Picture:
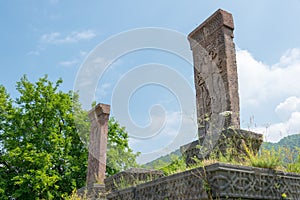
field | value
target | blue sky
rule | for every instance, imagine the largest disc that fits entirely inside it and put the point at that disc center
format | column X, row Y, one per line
column 55, row 37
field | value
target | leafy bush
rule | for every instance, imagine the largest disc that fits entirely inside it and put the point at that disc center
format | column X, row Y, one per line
column 295, row 166
column 177, row 165
column 271, row 159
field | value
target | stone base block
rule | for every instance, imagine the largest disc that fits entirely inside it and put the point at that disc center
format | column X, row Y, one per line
column 230, row 141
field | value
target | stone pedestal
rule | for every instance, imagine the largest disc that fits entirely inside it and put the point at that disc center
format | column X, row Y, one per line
column 230, row 141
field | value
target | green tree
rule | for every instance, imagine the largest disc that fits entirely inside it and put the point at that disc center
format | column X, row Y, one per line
column 42, row 154
column 119, row 155
column 41, row 151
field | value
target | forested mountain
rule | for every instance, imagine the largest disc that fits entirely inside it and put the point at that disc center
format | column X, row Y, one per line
column 163, row 160
column 292, row 142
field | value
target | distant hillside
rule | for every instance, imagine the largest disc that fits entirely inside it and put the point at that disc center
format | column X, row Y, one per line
column 161, row 161
column 292, row 142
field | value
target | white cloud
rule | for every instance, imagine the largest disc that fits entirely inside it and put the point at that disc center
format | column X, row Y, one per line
column 50, row 38
column 260, row 83
column 275, row 132
column 68, row 63
column 58, row 38
column 291, row 57
column 285, row 109
column 75, row 61
column 263, row 85
column 289, row 112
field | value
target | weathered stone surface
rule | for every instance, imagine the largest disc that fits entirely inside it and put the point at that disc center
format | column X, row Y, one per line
column 242, row 182
column 98, row 144
column 132, row 176
column 216, row 83
column 93, row 192
column 217, row 181
column 185, row 185
column 215, row 74
column 230, row 141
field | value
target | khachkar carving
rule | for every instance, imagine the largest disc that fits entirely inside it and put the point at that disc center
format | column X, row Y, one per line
column 216, row 83
column 215, row 73
column 99, row 116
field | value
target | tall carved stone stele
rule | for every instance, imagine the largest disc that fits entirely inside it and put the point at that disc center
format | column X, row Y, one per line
column 99, row 116
column 216, row 83
column 215, row 72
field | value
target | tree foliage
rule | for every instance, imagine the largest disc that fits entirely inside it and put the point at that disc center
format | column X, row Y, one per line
column 42, row 154
column 119, row 155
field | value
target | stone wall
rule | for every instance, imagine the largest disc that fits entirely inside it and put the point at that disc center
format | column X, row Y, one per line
column 131, row 176
column 252, row 183
column 217, row 181
column 185, row 185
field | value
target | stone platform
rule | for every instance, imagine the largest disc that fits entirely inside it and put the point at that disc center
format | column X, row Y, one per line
column 217, row 181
